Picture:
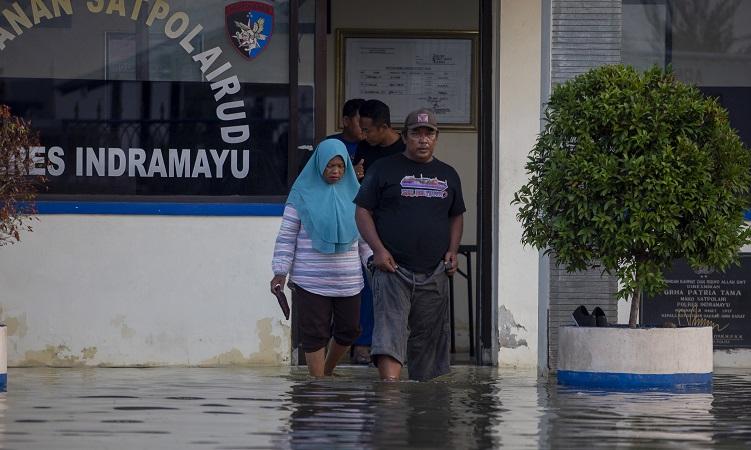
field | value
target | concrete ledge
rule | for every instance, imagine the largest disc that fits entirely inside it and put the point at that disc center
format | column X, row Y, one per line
column 622, row 357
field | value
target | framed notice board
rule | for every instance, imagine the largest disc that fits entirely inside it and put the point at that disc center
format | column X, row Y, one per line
column 409, row 70
column 704, row 297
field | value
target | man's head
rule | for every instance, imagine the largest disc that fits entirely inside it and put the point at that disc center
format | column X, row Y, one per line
column 420, row 134
column 351, row 119
column 375, row 122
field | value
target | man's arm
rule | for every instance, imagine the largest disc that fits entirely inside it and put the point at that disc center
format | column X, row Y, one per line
column 381, row 257
column 456, row 228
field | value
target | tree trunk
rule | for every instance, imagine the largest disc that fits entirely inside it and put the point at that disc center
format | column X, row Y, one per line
column 635, row 300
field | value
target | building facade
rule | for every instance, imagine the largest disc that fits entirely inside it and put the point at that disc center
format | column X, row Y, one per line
column 171, row 131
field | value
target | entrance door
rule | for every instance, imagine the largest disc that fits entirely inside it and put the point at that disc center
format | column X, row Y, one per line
column 469, row 150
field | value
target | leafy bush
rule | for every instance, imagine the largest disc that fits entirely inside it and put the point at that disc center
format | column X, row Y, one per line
column 17, row 187
column 634, row 171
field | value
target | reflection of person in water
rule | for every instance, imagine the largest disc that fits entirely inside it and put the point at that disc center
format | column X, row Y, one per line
column 330, row 415
column 361, row 413
column 435, row 415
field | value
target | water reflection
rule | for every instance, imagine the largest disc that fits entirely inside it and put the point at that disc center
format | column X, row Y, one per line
column 3, row 430
column 282, row 408
column 352, row 412
column 730, row 408
column 643, row 419
column 451, row 413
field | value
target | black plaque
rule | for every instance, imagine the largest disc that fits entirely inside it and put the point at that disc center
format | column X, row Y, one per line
column 704, row 297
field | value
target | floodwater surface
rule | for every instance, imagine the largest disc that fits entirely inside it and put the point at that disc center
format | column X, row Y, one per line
column 281, row 408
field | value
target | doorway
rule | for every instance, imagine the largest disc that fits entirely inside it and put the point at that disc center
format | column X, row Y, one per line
column 469, row 150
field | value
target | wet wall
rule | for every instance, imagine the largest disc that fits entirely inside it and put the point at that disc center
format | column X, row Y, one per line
column 142, row 290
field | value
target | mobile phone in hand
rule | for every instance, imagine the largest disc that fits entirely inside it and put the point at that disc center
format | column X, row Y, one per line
column 282, row 299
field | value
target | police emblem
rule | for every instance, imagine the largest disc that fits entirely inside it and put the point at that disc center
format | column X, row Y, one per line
column 249, row 26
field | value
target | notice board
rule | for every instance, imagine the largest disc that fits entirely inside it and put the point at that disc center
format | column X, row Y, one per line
column 408, row 70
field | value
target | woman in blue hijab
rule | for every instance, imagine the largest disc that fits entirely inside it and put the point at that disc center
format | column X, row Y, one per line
column 319, row 247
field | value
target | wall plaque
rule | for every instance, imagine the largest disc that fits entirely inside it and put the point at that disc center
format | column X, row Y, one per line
column 704, row 297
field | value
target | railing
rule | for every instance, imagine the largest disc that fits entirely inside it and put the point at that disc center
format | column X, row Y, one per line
column 467, row 251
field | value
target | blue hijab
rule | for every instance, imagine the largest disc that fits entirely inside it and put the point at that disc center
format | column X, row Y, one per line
column 326, row 210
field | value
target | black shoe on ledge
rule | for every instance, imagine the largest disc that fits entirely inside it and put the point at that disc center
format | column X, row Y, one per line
column 582, row 318
column 599, row 315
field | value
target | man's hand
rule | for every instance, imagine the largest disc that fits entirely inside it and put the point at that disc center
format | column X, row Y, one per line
column 452, row 264
column 360, row 169
column 384, row 261
column 277, row 283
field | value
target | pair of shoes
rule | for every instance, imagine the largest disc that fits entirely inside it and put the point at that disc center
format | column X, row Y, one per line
column 599, row 315
column 583, row 318
column 360, row 355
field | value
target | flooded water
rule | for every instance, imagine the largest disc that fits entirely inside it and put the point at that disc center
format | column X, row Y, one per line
column 282, row 408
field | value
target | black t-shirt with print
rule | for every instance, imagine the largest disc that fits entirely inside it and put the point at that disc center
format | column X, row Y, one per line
column 372, row 153
column 412, row 203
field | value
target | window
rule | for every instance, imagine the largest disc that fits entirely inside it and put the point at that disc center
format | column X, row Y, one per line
column 707, row 43
column 172, row 100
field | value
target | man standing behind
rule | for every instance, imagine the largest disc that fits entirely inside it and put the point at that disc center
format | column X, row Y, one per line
column 380, row 139
column 410, row 211
column 351, row 134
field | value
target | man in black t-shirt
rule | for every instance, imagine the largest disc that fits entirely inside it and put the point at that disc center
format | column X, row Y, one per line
column 409, row 209
column 380, row 140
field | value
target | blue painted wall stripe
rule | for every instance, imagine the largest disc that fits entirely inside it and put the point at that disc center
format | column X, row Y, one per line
column 163, row 208
column 631, row 380
column 170, row 208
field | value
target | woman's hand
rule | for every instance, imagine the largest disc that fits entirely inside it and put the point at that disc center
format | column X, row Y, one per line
column 277, row 283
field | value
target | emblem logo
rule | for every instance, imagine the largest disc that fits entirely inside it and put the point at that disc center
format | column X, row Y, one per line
column 249, row 26
column 422, row 118
column 421, row 186
column 704, row 271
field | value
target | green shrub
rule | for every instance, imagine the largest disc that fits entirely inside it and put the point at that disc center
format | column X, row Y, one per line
column 635, row 170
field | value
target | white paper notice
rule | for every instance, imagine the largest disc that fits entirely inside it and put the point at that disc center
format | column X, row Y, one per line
column 412, row 73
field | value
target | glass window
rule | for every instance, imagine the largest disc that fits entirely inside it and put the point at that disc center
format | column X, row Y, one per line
column 644, row 34
column 305, row 74
column 184, row 99
column 706, row 41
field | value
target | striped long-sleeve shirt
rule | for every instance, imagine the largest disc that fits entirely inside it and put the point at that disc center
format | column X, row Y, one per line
column 331, row 275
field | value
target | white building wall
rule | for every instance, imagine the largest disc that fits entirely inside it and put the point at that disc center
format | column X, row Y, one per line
column 177, row 290
column 142, row 290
